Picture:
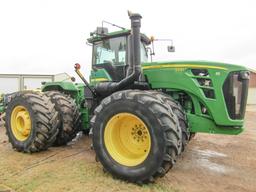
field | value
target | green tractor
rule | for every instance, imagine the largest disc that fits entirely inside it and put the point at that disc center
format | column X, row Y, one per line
column 140, row 114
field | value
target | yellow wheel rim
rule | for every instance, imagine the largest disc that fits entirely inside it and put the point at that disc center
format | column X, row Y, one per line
column 20, row 123
column 127, row 139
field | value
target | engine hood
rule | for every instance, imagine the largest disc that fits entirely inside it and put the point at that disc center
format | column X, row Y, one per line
column 193, row 64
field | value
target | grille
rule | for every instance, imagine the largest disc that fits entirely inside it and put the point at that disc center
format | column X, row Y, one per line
column 235, row 90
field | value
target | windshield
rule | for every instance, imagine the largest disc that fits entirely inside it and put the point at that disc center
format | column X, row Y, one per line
column 112, row 51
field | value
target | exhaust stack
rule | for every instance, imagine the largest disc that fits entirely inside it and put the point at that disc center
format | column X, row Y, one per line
column 134, row 69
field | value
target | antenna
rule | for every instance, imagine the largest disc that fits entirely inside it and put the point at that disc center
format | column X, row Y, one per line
column 114, row 25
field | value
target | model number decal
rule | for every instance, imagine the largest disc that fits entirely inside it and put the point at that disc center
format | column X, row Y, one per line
column 180, row 69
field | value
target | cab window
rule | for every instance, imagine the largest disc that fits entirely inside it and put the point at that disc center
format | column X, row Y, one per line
column 110, row 51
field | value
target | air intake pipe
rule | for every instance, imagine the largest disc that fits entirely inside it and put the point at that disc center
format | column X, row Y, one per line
column 134, row 69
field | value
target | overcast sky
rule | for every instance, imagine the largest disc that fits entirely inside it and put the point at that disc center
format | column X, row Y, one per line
column 49, row 36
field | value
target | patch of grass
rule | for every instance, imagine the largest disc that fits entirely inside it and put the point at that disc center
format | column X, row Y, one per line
column 58, row 170
column 30, row 183
column 159, row 188
column 75, row 176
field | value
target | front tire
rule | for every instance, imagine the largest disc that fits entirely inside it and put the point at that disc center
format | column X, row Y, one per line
column 134, row 136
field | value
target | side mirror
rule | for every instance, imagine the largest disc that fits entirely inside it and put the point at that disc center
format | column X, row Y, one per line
column 171, row 48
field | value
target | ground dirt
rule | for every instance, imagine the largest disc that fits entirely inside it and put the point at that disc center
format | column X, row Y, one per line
column 210, row 163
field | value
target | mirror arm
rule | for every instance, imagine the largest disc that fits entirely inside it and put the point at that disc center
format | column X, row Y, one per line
column 150, row 53
column 153, row 49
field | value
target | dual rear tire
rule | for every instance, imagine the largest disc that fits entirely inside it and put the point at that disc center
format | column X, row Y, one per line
column 35, row 121
column 68, row 114
column 31, row 122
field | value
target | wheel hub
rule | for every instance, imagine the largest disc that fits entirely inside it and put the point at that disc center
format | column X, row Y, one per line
column 20, row 123
column 127, row 139
column 139, row 133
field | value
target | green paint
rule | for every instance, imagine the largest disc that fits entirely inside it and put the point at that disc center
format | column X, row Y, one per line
column 201, row 63
column 177, row 77
column 62, row 85
column 205, row 125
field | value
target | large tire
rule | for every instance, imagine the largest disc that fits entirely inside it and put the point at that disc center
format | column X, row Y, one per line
column 178, row 110
column 31, row 122
column 154, row 120
column 68, row 115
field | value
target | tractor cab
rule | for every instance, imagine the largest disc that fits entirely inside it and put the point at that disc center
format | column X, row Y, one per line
column 111, row 56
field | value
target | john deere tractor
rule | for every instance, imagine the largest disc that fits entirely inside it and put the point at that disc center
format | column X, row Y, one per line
column 140, row 114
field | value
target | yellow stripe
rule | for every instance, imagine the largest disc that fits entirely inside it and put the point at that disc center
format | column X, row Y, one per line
column 99, row 79
column 183, row 66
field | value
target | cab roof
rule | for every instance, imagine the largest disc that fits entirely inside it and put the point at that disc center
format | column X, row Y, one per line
column 95, row 37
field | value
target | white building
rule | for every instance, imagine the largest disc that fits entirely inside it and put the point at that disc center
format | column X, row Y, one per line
column 252, row 89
